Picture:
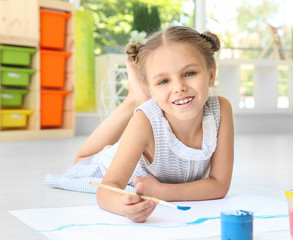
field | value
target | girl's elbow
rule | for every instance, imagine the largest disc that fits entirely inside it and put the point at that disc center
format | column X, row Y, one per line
column 78, row 159
column 99, row 200
column 221, row 188
column 223, row 194
column 220, row 195
column 224, row 191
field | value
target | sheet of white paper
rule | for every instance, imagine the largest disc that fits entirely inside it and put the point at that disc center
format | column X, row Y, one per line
column 203, row 219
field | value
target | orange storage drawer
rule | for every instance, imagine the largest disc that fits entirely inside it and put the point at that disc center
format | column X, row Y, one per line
column 53, row 68
column 53, row 28
column 52, row 107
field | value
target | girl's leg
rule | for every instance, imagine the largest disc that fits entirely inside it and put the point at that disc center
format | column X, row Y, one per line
column 111, row 129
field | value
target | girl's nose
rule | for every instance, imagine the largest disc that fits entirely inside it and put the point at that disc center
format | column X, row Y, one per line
column 179, row 86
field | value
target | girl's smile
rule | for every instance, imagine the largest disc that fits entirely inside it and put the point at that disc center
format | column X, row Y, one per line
column 183, row 102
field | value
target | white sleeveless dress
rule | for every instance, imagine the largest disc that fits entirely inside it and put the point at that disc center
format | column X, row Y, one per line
column 173, row 161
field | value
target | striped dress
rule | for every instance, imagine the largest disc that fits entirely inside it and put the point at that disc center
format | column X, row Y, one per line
column 173, row 161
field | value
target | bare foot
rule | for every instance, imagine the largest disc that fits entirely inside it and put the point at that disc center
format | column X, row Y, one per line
column 136, row 90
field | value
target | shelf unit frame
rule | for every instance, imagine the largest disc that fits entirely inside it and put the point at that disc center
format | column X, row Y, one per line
column 20, row 26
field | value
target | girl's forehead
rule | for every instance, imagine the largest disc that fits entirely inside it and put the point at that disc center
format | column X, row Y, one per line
column 175, row 51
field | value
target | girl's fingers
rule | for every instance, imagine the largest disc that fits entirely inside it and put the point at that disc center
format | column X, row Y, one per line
column 139, row 188
column 137, row 179
column 143, row 216
column 141, row 211
column 131, row 199
column 137, row 209
column 133, row 207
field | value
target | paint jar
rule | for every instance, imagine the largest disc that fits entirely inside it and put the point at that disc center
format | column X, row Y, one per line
column 289, row 195
column 237, row 225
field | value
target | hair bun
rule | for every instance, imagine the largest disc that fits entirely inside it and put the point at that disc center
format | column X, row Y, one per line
column 132, row 50
column 213, row 39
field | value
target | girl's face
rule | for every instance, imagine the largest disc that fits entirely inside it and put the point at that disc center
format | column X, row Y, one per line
column 179, row 80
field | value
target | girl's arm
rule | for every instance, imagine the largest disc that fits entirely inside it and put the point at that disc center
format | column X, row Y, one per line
column 134, row 141
column 111, row 129
column 108, row 132
column 218, row 183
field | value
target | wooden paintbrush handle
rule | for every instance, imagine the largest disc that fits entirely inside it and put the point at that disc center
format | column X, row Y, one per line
column 157, row 201
column 118, row 190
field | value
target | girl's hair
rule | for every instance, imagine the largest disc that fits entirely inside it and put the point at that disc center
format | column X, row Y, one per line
column 206, row 43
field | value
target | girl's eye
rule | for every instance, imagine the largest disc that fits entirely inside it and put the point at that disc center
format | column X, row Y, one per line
column 189, row 74
column 163, row 82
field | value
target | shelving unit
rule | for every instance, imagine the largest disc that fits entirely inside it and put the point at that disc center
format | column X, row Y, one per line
column 20, row 26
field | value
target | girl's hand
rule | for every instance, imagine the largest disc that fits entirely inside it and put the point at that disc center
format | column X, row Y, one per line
column 136, row 89
column 150, row 183
column 137, row 209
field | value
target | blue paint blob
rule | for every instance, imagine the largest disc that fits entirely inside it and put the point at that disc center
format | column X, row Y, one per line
column 237, row 225
column 184, row 208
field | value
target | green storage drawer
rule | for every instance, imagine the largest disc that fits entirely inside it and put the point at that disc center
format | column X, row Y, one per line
column 11, row 55
column 16, row 76
column 12, row 97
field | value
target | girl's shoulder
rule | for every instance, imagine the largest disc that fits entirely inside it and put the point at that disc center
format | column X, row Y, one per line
column 226, row 117
column 151, row 109
column 217, row 103
column 139, row 130
column 219, row 107
column 225, row 105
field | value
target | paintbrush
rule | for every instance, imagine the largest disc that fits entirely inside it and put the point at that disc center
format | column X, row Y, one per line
column 158, row 201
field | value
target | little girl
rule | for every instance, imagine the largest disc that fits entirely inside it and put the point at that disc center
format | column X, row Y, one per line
column 177, row 146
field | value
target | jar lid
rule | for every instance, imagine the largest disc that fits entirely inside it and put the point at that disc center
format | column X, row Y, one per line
column 237, row 215
column 289, row 193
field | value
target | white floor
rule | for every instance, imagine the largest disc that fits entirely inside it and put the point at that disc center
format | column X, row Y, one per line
column 263, row 165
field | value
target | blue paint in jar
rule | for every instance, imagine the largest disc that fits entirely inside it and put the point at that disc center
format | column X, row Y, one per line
column 237, row 225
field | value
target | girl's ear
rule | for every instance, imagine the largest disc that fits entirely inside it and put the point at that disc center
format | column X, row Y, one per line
column 212, row 76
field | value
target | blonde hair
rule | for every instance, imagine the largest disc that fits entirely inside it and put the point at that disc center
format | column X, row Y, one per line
column 206, row 43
